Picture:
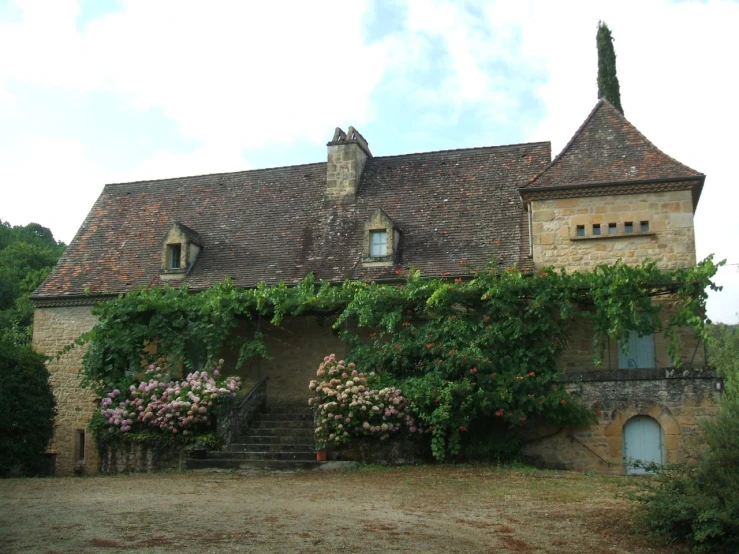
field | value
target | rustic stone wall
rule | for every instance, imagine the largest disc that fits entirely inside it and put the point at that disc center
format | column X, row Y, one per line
column 579, row 354
column 54, row 328
column 678, row 400
column 296, row 347
column 345, row 165
column 669, row 241
column 137, row 458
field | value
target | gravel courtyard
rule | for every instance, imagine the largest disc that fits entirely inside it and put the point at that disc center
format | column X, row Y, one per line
column 465, row 509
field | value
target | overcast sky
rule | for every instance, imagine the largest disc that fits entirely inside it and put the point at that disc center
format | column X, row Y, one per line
column 102, row 91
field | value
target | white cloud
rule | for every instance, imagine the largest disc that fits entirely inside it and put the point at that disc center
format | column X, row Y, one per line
column 229, row 73
column 51, row 182
column 238, row 75
column 165, row 164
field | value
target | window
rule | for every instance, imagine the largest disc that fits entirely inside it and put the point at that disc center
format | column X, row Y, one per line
column 174, row 254
column 80, row 444
column 581, row 230
column 644, row 226
column 611, row 228
column 596, row 229
column 629, row 227
column 378, row 243
column 640, row 352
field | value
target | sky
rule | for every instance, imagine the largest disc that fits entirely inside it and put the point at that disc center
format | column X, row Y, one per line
column 106, row 91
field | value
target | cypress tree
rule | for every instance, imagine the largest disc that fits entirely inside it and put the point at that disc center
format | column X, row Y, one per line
column 607, row 80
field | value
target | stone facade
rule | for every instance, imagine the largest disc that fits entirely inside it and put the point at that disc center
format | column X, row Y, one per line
column 295, row 347
column 53, row 329
column 677, row 400
column 669, row 239
column 610, row 195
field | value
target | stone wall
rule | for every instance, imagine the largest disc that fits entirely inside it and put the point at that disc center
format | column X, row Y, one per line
column 296, row 347
column 678, row 400
column 137, row 458
column 669, row 241
column 579, row 354
column 54, row 328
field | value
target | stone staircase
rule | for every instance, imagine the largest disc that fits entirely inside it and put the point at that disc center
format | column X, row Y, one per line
column 281, row 437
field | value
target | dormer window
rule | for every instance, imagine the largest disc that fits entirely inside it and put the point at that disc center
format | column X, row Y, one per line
column 175, row 255
column 378, row 243
column 180, row 250
column 381, row 241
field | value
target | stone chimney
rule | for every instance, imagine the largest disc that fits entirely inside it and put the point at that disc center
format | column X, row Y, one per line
column 347, row 154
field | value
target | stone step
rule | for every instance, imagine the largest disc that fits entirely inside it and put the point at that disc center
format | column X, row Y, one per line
column 302, row 455
column 285, row 465
column 282, row 424
column 285, row 416
column 276, row 432
column 269, row 446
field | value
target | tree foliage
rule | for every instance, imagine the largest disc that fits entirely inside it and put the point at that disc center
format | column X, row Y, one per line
column 723, row 351
column 608, row 86
column 27, row 407
column 27, row 256
column 461, row 351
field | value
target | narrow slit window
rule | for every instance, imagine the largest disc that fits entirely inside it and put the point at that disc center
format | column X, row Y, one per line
column 596, row 229
column 378, row 243
column 611, row 228
column 629, row 227
column 580, row 230
column 644, row 226
column 80, row 444
column 175, row 251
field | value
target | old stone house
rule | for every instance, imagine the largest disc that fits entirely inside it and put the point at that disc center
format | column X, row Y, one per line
column 610, row 194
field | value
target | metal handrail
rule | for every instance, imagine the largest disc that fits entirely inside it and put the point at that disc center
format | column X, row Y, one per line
column 259, row 384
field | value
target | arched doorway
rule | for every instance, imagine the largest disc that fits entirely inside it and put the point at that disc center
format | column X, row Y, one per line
column 642, row 442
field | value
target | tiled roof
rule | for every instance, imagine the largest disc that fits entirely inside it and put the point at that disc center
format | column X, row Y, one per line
column 276, row 225
column 609, row 149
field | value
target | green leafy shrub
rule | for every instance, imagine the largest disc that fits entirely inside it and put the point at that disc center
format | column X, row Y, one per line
column 27, row 408
column 699, row 504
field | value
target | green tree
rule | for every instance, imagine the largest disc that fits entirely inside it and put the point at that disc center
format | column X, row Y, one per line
column 27, row 408
column 723, row 351
column 27, row 256
column 607, row 79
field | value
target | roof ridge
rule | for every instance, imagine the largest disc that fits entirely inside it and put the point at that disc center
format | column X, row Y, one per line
column 273, row 168
column 200, row 176
column 493, row 147
column 569, row 144
column 650, row 143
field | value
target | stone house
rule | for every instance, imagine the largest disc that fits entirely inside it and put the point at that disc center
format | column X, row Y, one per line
column 611, row 194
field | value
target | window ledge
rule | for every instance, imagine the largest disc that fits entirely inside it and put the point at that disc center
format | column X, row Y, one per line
column 378, row 261
column 619, row 236
column 172, row 274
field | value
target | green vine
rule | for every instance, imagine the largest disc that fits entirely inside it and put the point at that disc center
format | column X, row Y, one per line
column 472, row 356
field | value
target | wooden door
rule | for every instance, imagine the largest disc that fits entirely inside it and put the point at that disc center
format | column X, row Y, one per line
column 642, row 442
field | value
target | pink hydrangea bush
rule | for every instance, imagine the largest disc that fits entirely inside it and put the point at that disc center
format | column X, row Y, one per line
column 345, row 406
column 173, row 405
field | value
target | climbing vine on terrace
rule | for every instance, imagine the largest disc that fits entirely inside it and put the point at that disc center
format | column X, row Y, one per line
column 479, row 358
column 464, row 352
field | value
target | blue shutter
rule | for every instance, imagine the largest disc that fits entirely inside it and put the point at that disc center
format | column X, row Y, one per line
column 640, row 352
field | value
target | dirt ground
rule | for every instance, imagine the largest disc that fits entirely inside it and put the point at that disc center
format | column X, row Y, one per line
column 465, row 509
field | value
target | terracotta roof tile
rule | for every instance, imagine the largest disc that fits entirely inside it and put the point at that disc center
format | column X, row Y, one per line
column 609, row 149
column 276, row 224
